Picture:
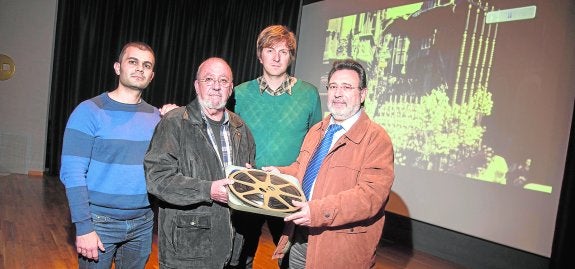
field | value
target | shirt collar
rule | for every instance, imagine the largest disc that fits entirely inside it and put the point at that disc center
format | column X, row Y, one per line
column 226, row 117
column 347, row 124
column 285, row 87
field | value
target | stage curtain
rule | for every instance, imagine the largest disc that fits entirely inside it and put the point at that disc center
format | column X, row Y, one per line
column 90, row 34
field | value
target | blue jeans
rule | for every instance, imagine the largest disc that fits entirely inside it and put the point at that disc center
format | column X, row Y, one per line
column 127, row 242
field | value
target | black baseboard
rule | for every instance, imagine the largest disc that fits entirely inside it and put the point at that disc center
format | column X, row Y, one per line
column 468, row 251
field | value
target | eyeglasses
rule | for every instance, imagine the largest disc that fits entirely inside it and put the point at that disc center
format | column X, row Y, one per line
column 344, row 87
column 224, row 82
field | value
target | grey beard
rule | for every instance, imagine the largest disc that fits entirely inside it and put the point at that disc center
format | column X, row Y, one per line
column 209, row 105
column 345, row 114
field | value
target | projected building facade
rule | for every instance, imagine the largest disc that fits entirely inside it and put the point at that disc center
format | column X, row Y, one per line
column 428, row 80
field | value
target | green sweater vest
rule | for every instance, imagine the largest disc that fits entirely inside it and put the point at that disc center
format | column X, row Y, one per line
column 278, row 123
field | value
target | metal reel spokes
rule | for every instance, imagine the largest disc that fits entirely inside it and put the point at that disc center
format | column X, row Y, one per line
column 265, row 190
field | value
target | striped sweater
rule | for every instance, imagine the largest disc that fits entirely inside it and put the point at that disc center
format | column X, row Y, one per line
column 102, row 160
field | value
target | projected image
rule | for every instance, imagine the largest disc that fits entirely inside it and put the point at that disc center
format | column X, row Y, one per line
column 429, row 66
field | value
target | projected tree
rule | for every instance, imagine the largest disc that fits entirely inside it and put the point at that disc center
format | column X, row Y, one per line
column 430, row 94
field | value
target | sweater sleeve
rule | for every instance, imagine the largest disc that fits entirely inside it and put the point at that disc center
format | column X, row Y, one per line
column 76, row 154
column 316, row 115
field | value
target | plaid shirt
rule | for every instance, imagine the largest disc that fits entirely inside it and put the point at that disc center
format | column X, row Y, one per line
column 285, row 87
column 224, row 142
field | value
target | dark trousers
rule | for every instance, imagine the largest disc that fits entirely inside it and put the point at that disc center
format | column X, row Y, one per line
column 250, row 226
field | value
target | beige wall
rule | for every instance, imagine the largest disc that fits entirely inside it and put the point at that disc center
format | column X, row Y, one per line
column 27, row 36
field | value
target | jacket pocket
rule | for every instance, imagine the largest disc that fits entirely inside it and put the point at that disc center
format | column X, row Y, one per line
column 192, row 235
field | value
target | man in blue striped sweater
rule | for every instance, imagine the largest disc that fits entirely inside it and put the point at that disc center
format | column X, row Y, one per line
column 105, row 141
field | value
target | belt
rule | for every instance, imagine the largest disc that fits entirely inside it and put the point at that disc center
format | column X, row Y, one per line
column 300, row 234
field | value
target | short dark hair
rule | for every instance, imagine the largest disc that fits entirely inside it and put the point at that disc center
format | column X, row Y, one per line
column 350, row 64
column 140, row 45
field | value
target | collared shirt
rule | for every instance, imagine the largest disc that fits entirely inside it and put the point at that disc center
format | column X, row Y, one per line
column 346, row 124
column 224, row 143
column 285, row 87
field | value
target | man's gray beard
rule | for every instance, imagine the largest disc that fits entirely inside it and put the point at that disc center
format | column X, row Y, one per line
column 345, row 114
column 209, row 105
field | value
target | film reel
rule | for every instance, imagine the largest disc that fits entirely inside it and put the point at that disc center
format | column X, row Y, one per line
column 265, row 192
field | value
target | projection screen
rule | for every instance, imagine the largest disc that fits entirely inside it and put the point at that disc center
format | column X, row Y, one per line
column 477, row 97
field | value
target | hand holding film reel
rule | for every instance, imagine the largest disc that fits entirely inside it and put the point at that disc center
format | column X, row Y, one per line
column 263, row 192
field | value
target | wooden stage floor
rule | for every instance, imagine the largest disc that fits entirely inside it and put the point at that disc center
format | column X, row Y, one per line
column 35, row 232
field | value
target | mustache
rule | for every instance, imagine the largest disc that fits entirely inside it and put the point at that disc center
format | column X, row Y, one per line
column 211, row 105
